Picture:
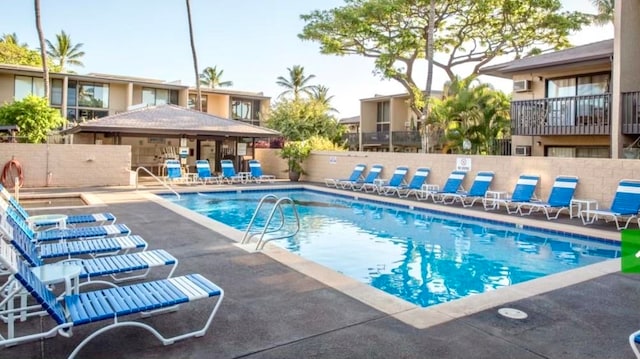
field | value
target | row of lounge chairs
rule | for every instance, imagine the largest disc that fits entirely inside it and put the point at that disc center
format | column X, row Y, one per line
column 204, row 175
column 624, row 208
column 36, row 256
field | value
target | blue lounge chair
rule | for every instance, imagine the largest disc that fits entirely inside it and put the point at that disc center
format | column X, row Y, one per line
column 139, row 263
column 174, row 172
column 524, row 191
column 370, row 179
column 110, row 304
column 559, row 199
column 356, row 175
column 12, row 230
column 452, row 185
column 58, row 233
column 256, row 172
column 415, row 185
column 478, row 190
column 204, row 172
column 229, row 172
column 396, row 181
column 625, row 204
column 42, row 222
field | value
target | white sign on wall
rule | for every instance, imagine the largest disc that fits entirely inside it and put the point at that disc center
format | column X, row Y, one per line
column 242, row 149
column 463, row 164
column 333, row 160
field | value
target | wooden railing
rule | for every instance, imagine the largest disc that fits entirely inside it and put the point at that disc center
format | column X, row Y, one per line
column 630, row 113
column 574, row 115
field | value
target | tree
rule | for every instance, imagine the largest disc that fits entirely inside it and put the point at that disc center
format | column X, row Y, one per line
column 33, row 116
column 43, row 52
column 195, row 59
column 320, row 93
column 302, row 119
column 297, row 82
column 64, row 52
column 467, row 33
column 425, row 130
column 211, row 78
column 11, row 53
column 605, row 12
column 12, row 39
column 474, row 112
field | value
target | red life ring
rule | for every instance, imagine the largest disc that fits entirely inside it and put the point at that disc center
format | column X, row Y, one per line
column 11, row 170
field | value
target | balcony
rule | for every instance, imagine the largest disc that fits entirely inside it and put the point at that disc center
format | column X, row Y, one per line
column 398, row 138
column 630, row 113
column 574, row 115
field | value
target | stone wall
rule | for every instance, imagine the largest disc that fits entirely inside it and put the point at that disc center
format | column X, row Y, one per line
column 598, row 176
column 70, row 165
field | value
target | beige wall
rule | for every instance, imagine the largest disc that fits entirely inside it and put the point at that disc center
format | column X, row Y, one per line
column 598, row 177
column 368, row 116
column 6, row 88
column 399, row 112
column 70, row 165
column 118, row 98
column 218, row 105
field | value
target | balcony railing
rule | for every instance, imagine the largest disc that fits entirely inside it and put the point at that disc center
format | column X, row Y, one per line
column 406, row 138
column 399, row 138
column 630, row 113
column 575, row 115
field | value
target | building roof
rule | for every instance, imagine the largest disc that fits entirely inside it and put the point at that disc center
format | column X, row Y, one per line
column 247, row 94
column 350, row 120
column 37, row 71
column 171, row 120
column 597, row 52
column 378, row 97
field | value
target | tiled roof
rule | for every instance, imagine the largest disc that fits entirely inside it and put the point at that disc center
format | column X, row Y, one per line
column 171, row 120
column 597, row 51
column 350, row 120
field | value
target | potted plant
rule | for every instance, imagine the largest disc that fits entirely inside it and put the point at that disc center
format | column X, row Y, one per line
column 295, row 152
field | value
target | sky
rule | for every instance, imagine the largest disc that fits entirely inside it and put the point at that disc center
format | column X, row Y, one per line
column 253, row 41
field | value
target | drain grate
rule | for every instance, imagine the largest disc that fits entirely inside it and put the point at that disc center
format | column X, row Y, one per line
column 512, row 313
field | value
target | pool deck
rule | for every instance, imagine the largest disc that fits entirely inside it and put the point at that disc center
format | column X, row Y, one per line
column 301, row 310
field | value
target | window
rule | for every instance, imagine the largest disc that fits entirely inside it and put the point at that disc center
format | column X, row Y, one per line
column 93, row 95
column 590, row 152
column 245, row 109
column 192, row 102
column 591, row 107
column 27, row 85
column 154, row 97
column 382, row 119
column 56, row 92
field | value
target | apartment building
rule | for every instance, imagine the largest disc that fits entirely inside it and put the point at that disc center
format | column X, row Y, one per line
column 579, row 102
column 387, row 124
column 81, row 98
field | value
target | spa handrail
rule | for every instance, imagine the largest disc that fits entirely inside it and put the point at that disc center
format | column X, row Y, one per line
column 156, row 178
column 277, row 206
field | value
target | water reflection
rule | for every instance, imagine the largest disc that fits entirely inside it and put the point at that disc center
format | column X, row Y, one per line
column 423, row 257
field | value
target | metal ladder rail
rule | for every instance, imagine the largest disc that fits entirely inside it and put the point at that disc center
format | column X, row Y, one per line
column 246, row 237
column 156, row 178
column 261, row 242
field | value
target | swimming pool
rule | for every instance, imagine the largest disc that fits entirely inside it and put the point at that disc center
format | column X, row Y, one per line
column 423, row 257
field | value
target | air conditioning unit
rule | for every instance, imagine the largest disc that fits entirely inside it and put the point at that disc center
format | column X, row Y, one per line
column 522, row 86
column 523, row 150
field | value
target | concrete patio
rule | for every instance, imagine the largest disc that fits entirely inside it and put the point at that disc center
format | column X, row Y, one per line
column 273, row 311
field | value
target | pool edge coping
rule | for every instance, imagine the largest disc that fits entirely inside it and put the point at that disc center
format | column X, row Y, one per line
column 408, row 313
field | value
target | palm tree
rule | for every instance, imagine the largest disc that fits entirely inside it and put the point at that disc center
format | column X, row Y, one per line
column 297, row 82
column 195, row 59
column 211, row 77
column 605, row 11
column 320, row 94
column 426, row 129
column 12, row 39
column 43, row 52
column 64, row 51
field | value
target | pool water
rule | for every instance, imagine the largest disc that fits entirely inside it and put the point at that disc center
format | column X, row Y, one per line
column 423, row 257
